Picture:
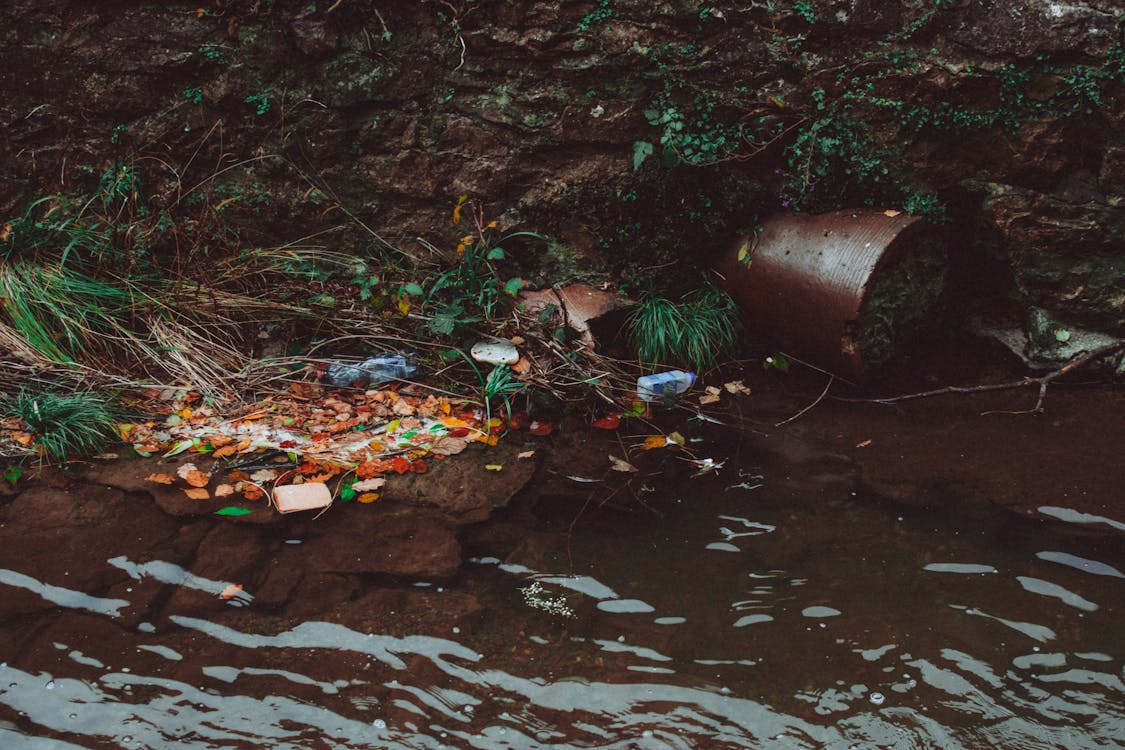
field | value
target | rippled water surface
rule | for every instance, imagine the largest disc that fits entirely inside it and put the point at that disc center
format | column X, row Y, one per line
column 741, row 610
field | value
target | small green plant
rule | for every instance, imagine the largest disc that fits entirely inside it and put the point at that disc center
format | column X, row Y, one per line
column 13, row 474
column 601, row 13
column 473, row 291
column 212, row 52
column 65, row 425
column 696, row 331
column 260, row 102
column 500, row 384
column 693, row 136
column 805, row 10
column 194, row 95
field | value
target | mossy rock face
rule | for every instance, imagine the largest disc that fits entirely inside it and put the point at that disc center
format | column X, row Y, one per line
column 1063, row 250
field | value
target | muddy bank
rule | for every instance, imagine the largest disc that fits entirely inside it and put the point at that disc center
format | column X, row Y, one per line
column 955, row 450
column 114, row 582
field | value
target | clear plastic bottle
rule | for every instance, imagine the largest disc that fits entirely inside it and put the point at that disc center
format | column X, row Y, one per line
column 388, row 367
column 372, row 371
column 664, row 386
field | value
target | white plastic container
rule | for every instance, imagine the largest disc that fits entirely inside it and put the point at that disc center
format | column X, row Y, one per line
column 664, row 385
column 495, row 352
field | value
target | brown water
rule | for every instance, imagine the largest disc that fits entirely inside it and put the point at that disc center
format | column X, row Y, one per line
column 760, row 606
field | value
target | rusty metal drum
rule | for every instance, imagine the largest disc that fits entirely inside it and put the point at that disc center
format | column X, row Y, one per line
column 843, row 290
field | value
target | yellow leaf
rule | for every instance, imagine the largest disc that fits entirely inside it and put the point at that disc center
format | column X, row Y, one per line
column 892, row 213
column 494, row 467
column 367, row 497
column 654, row 441
column 403, row 305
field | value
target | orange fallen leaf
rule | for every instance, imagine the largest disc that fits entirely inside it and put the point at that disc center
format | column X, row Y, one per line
column 197, row 478
column 224, row 490
column 654, row 441
column 400, row 465
column 367, row 497
column 252, row 491
column 160, row 478
column 197, row 493
column 231, row 591
column 225, row 450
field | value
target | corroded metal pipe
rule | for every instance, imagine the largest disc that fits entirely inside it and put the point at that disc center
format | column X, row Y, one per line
column 805, row 280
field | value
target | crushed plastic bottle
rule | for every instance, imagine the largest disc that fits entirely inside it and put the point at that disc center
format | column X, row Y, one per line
column 373, row 371
column 664, row 385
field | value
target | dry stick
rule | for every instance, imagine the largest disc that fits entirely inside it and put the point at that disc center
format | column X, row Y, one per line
column 1042, row 381
column 802, row 412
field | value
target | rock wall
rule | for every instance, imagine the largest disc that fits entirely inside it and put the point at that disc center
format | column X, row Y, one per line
column 634, row 133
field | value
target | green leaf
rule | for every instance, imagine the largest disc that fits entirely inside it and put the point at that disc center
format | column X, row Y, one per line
column 412, row 288
column 179, row 448
column 13, row 474
column 233, row 510
column 514, row 286
column 641, row 151
column 496, row 253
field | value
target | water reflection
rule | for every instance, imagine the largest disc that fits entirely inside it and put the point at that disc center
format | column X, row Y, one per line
column 739, row 619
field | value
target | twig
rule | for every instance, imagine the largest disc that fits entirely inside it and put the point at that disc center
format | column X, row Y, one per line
column 1043, row 381
column 802, row 412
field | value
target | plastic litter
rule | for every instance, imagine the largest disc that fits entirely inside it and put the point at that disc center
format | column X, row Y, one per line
column 308, row 496
column 495, row 352
column 381, row 369
column 664, row 385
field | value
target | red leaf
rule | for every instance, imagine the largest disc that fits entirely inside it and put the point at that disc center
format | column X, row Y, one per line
column 458, row 432
column 400, row 465
column 419, row 466
column 610, row 422
column 287, row 444
column 518, row 420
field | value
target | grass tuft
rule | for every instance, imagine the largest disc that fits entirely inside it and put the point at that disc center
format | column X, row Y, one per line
column 65, row 425
column 697, row 331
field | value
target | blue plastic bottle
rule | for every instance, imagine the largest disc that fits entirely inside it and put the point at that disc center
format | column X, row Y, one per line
column 664, row 385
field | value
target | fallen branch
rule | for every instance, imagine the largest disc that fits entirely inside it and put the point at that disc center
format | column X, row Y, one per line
column 802, row 412
column 1042, row 381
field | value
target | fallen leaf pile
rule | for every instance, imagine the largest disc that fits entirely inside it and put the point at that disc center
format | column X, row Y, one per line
column 357, row 437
